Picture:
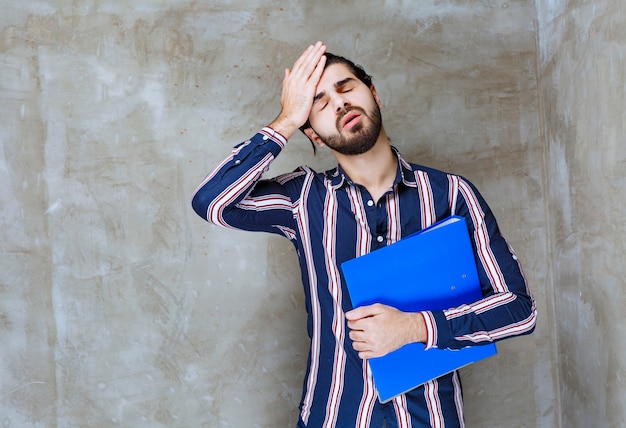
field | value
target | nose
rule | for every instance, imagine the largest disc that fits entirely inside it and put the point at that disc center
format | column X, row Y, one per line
column 340, row 102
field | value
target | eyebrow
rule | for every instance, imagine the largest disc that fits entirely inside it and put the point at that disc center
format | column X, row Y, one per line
column 336, row 85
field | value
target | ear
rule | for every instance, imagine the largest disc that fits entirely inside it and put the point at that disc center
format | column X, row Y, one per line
column 314, row 137
column 376, row 98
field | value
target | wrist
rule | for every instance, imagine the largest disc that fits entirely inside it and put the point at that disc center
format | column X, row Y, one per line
column 284, row 126
column 418, row 328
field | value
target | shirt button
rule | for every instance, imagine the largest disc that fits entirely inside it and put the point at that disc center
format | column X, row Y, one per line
column 370, row 203
column 238, row 161
column 380, row 239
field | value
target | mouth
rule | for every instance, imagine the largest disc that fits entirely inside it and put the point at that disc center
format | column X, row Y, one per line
column 350, row 119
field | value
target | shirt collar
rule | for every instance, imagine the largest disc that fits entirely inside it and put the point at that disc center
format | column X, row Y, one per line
column 338, row 177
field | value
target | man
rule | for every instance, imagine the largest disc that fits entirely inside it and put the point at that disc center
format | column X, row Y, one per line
column 371, row 199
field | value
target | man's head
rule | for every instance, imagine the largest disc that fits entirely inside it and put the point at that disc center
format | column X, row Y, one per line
column 346, row 110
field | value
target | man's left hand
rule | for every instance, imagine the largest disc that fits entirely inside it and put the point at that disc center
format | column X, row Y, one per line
column 378, row 329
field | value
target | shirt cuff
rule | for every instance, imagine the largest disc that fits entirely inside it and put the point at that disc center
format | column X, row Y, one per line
column 274, row 135
column 431, row 329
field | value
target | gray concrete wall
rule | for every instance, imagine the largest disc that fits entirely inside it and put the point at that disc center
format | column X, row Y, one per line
column 583, row 87
column 119, row 307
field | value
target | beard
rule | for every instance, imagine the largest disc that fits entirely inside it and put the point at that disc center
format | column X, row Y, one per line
column 361, row 138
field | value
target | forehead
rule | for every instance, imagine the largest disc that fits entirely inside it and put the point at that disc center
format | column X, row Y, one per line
column 334, row 73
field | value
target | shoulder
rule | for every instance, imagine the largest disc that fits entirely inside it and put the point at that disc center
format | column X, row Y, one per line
column 414, row 171
column 417, row 174
column 412, row 168
column 298, row 176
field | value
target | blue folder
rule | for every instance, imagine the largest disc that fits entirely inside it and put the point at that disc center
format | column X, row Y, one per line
column 432, row 269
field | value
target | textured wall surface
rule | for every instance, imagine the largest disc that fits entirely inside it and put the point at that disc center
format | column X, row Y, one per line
column 583, row 79
column 119, row 307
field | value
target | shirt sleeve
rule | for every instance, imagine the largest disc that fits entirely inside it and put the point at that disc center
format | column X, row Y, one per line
column 507, row 308
column 233, row 195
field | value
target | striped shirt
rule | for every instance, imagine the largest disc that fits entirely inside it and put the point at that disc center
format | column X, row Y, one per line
column 329, row 220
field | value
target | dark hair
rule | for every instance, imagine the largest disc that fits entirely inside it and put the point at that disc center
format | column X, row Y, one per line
column 355, row 69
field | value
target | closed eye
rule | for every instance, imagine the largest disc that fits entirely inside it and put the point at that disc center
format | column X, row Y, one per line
column 320, row 102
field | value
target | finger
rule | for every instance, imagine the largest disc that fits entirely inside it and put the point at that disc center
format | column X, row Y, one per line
column 309, row 60
column 356, row 336
column 312, row 54
column 318, row 60
column 315, row 76
column 304, row 57
column 364, row 351
column 362, row 312
column 361, row 347
column 319, row 69
column 366, row 355
column 354, row 314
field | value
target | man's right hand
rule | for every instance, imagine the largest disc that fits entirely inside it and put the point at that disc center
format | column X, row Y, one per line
column 299, row 90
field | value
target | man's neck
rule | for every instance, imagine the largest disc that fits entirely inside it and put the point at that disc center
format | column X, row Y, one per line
column 375, row 170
